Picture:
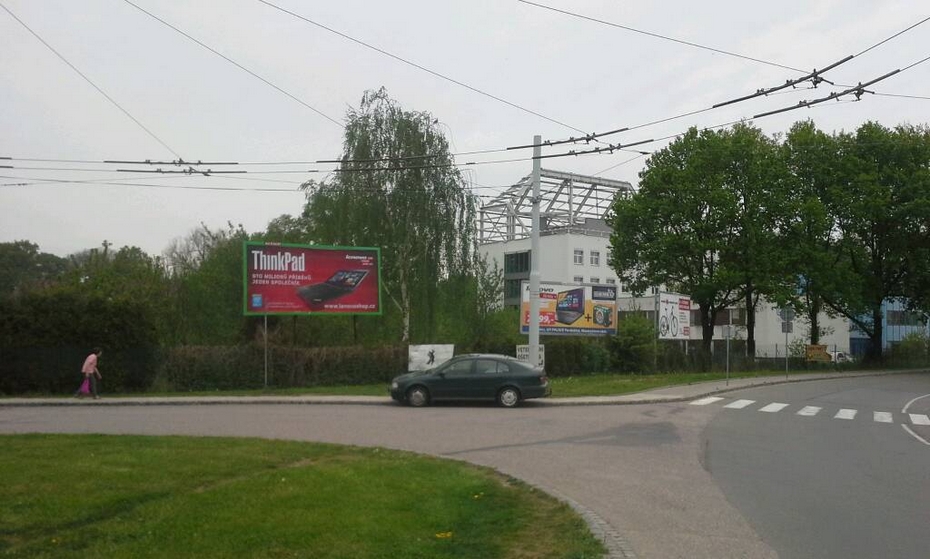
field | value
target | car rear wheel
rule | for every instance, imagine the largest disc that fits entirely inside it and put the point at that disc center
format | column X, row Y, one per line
column 418, row 396
column 508, row 397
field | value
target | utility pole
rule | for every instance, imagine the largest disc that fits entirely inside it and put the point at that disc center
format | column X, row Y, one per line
column 534, row 257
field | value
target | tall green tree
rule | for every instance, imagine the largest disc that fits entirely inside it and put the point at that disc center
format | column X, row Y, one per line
column 22, row 265
column 676, row 229
column 397, row 188
column 755, row 178
column 881, row 203
column 812, row 234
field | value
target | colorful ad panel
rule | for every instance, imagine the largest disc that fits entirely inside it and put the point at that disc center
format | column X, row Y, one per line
column 572, row 309
column 306, row 279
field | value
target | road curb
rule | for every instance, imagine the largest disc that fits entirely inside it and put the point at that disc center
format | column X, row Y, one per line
column 694, row 391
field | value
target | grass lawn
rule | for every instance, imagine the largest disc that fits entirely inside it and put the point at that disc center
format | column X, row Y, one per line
column 109, row 496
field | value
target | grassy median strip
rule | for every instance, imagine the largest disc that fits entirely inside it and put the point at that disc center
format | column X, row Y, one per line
column 122, row 496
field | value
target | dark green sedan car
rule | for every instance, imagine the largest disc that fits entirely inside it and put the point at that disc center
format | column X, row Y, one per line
column 500, row 378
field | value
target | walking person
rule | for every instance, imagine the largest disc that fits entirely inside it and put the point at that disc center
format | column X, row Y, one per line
column 91, row 372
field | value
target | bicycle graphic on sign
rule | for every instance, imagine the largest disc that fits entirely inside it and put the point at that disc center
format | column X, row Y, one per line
column 668, row 323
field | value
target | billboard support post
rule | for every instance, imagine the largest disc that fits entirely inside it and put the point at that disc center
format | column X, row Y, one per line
column 266, row 351
column 534, row 254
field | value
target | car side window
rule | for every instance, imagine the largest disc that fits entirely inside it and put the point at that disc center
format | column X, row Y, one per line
column 458, row 368
column 486, row 367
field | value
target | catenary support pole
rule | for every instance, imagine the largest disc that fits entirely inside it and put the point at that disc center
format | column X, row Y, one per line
column 266, row 351
column 535, row 256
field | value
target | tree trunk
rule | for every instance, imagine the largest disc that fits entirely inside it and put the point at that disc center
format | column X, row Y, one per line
column 813, row 316
column 750, row 325
column 708, row 319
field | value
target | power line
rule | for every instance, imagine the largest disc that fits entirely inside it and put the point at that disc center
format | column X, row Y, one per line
column 147, row 185
column 815, row 77
column 236, row 64
column 658, row 36
column 419, row 67
column 88, row 80
column 895, row 35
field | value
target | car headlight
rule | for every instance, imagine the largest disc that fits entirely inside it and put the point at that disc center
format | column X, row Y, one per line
column 394, row 385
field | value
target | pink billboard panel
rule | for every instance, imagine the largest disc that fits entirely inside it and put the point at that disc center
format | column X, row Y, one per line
column 306, row 279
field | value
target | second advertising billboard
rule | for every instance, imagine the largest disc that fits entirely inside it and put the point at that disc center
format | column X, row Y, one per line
column 572, row 309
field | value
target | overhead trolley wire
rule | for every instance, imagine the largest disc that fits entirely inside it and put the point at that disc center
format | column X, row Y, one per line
column 420, row 67
column 88, row 80
column 659, row 36
column 236, row 64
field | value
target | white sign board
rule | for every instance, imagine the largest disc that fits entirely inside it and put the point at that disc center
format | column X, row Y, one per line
column 423, row 357
column 523, row 354
column 674, row 316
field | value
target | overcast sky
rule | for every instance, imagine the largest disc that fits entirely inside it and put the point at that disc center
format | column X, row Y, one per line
column 577, row 73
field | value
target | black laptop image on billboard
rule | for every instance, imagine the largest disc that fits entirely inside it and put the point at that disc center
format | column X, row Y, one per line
column 569, row 305
column 341, row 283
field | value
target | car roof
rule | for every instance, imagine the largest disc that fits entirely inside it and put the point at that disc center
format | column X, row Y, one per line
column 487, row 356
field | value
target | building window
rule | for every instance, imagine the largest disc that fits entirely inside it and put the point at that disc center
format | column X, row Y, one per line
column 654, row 290
column 611, row 281
column 512, row 289
column 578, row 279
column 595, row 258
column 517, row 262
column 624, row 288
column 904, row 318
column 595, row 280
column 579, row 257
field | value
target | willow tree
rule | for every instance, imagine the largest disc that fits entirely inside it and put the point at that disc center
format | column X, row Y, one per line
column 397, row 188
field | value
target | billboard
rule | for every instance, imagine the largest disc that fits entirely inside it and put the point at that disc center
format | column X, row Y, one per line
column 305, row 279
column 572, row 309
column 674, row 316
column 424, row 357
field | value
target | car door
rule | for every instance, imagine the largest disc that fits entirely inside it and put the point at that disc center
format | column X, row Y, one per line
column 486, row 378
column 453, row 380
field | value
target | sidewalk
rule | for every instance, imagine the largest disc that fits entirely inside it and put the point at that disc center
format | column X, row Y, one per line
column 681, row 393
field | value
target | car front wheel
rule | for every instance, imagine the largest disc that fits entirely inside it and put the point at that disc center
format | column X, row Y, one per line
column 508, row 397
column 418, row 396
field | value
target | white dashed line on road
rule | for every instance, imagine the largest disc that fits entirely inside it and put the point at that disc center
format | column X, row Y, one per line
column 739, row 404
column 774, row 407
column 705, row 401
column 846, row 414
column 809, row 411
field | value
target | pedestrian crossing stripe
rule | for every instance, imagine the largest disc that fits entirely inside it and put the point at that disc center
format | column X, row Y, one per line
column 811, row 411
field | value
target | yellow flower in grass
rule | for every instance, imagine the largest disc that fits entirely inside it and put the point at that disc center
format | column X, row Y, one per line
column 444, row 535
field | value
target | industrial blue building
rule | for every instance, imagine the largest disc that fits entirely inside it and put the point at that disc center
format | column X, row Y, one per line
column 897, row 323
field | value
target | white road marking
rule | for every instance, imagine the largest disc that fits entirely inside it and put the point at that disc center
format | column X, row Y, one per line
column 809, row 411
column 774, row 407
column 919, row 419
column 915, row 435
column 739, row 404
column 882, row 417
column 845, row 414
column 907, row 405
column 705, row 401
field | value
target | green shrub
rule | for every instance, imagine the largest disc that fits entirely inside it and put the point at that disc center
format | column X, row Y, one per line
column 199, row 368
column 633, row 349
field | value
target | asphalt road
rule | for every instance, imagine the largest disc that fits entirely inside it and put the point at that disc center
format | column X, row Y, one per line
column 843, row 479
column 637, row 469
